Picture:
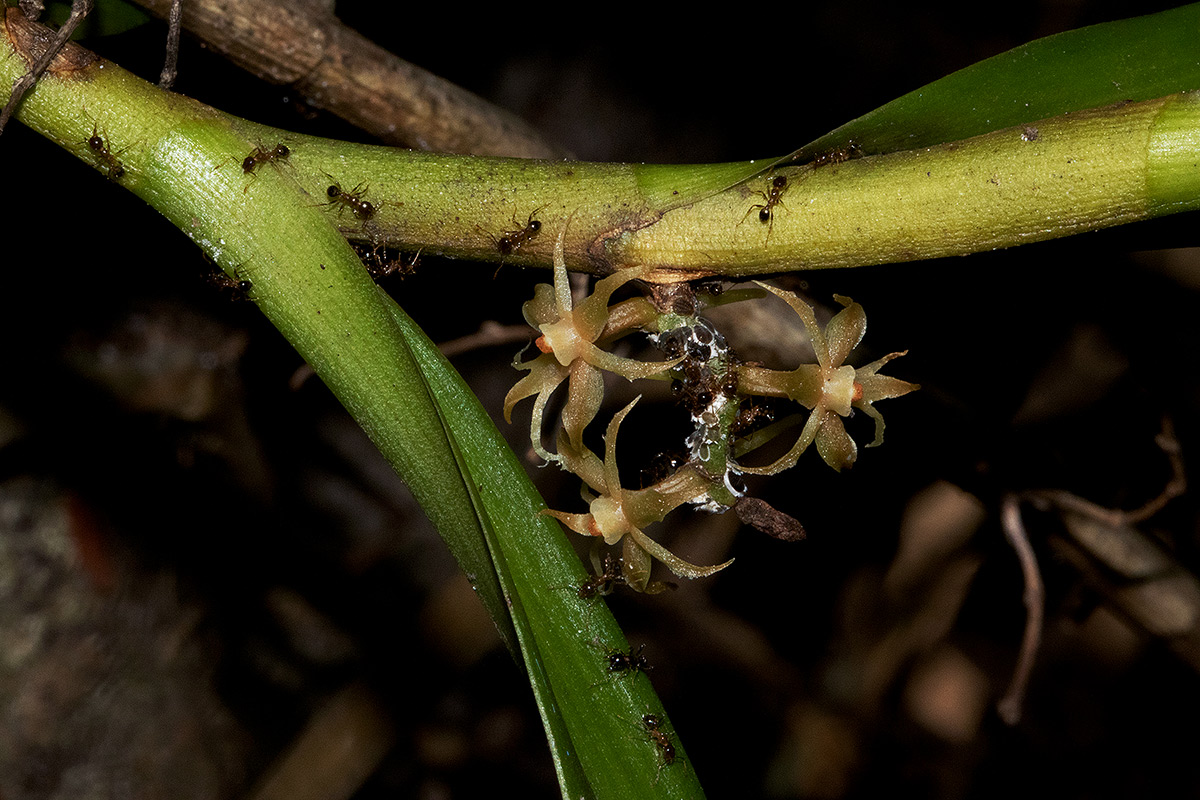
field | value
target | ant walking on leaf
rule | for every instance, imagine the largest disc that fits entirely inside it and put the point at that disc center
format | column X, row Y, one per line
column 623, row 663
column 655, row 730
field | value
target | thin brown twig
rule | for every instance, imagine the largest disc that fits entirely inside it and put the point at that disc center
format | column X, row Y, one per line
column 79, row 10
column 301, row 44
column 1009, row 706
column 1114, row 517
column 170, row 68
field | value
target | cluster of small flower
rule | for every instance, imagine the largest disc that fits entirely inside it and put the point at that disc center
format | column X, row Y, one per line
column 722, row 395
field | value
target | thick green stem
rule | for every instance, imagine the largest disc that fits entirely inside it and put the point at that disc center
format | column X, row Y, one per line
column 1042, row 180
column 1074, row 173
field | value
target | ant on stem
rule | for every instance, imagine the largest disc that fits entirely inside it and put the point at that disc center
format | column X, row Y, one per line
column 97, row 145
column 772, row 198
column 512, row 241
column 838, row 155
column 261, row 156
column 353, row 200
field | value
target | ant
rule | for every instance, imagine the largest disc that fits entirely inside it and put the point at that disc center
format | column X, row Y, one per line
column 772, row 197
column 839, row 155
column 661, row 467
column 261, row 156
column 97, row 145
column 512, row 241
column 610, row 577
column 604, row 583
column 753, row 414
column 382, row 264
column 622, row 663
column 654, row 729
column 631, row 662
column 237, row 287
column 363, row 209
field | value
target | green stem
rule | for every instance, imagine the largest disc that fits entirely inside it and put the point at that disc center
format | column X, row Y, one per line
column 1073, row 173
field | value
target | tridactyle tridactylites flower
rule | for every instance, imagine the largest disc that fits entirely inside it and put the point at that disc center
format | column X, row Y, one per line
column 569, row 352
column 830, row 389
column 615, row 512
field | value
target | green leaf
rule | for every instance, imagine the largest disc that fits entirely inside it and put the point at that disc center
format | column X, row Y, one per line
column 592, row 716
column 1133, row 59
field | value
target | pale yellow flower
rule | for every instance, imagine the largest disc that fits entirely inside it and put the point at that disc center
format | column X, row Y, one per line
column 830, row 389
column 615, row 512
column 569, row 352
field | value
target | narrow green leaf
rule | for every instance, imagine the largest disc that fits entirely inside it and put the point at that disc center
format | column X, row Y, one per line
column 592, row 717
column 1133, row 59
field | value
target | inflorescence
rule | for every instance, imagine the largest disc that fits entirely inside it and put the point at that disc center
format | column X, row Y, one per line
column 723, row 396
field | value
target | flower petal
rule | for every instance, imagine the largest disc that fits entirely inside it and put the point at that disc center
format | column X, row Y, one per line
column 674, row 563
column 874, row 366
column 789, row 460
column 562, row 286
column 612, row 476
column 580, row 523
column 592, row 313
column 805, row 312
column 845, row 330
column 584, row 463
column 544, row 373
column 628, row 368
column 635, row 565
column 652, row 504
column 543, row 308
column 835, row 445
column 872, row 412
column 584, row 395
column 883, row 387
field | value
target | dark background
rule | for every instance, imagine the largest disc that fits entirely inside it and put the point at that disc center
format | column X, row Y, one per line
column 250, row 556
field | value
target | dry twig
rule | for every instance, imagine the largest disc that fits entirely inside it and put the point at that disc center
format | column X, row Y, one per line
column 79, row 10
column 1035, row 596
column 174, row 24
column 303, row 45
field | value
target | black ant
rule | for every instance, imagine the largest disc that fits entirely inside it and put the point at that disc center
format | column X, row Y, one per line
column 771, row 198
column 654, row 729
column 622, row 662
column 631, row 662
column 363, row 209
column 512, row 241
column 661, row 467
column 261, row 156
column 604, row 583
column 237, row 287
column 97, row 145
